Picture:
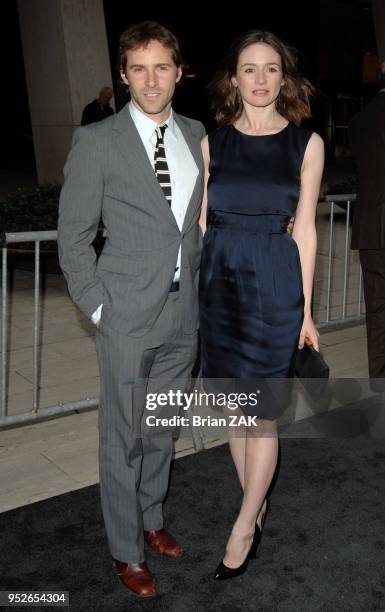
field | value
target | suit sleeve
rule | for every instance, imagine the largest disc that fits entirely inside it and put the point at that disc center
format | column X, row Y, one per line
column 79, row 214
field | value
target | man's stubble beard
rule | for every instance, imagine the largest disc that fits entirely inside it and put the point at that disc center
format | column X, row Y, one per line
column 151, row 110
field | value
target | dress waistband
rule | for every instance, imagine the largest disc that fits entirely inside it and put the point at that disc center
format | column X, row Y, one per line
column 254, row 224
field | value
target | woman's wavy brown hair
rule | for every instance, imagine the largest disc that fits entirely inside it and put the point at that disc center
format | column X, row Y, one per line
column 293, row 100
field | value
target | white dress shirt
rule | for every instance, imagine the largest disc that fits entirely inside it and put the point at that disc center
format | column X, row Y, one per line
column 181, row 164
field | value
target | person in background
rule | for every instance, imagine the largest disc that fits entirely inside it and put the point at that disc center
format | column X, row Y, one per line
column 367, row 140
column 98, row 109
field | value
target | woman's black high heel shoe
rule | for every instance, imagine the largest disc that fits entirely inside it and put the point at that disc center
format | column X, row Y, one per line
column 223, row 572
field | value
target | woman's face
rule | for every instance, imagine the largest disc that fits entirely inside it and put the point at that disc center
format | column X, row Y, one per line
column 259, row 75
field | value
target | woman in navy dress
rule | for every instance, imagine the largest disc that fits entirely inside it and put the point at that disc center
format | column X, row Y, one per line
column 256, row 278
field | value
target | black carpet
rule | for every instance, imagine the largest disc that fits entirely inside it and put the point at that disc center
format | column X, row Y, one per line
column 322, row 549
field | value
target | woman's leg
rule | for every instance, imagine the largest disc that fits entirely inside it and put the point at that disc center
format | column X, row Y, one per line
column 260, row 460
column 237, row 446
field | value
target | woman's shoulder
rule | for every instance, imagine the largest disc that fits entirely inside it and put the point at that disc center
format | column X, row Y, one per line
column 312, row 138
column 301, row 130
column 303, row 135
column 219, row 131
column 216, row 136
column 309, row 145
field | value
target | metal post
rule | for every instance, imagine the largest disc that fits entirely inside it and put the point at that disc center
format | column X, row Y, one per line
column 36, row 330
column 346, row 260
column 330, row 261
column 196, row 433
column 360, row 293
column 3, row 374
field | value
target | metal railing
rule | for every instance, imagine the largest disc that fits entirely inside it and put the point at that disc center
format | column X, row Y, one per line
column 355, row 305
column 62, row 408
column 49, row 411
column 6, row 419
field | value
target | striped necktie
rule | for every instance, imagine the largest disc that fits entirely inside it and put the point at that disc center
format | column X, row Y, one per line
column 160, row 163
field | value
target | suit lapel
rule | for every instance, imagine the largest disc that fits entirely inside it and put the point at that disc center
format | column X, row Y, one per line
column 195, row 149
column 129, row 143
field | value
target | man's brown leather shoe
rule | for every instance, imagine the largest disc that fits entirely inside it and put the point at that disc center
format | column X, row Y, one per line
column 136, row 577
column 163, row 543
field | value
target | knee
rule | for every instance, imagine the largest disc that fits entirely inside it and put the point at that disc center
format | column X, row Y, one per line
column 263, row 428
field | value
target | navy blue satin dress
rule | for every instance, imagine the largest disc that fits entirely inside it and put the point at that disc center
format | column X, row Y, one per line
column 251, row 297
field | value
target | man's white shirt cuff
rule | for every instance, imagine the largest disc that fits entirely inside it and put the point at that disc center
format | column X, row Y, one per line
column 95, row 317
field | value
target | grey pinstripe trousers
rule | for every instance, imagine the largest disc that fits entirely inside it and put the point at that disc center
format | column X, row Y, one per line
column 134, row 471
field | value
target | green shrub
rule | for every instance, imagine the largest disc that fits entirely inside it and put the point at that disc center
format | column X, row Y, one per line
column 30, row 209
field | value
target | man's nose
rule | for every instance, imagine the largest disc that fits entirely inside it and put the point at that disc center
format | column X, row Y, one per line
column 151, row 78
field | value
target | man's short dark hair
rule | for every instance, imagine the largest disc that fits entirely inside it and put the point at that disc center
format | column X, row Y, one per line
column 140, row 34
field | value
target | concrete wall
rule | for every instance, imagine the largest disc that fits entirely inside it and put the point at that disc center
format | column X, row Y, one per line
column 66, row 63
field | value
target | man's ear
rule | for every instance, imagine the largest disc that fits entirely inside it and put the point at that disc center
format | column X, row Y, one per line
column 179, row 74
column 123, row 77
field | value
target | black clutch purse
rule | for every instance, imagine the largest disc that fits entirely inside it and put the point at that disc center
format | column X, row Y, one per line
column 312, row 370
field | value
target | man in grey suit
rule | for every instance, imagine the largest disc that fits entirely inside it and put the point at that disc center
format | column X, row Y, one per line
column 142, row 172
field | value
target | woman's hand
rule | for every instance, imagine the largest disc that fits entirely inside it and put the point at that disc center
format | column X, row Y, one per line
column 309, row 330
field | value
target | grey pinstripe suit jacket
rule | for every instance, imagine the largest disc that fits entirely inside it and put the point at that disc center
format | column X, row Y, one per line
column 108, row 174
